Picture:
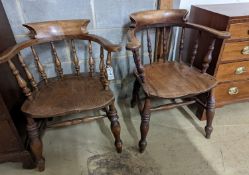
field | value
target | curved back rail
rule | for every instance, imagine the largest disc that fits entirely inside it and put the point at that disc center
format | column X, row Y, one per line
column 51, row 32
column 165, row 20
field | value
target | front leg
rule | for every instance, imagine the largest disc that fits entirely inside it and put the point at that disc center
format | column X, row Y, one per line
column 210, row 111
column 144, row 127
column 35, row 143
column 115, row 127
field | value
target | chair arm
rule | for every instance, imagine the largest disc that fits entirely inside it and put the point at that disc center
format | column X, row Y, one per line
column 102, row 41
column 217, row 33
column 133, row 42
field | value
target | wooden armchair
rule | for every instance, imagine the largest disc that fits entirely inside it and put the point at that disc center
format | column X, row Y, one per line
column 64, row 94
column 172, row 80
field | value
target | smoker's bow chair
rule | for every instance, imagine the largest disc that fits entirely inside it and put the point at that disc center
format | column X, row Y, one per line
column 64, row 94
column 172, row 80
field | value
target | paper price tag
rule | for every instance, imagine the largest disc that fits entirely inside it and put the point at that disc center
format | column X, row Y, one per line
column 110, row 74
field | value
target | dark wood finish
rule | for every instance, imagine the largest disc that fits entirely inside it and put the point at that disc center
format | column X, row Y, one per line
column 58, row 28
column 230, row 57
column 12, row 137
column 171, row 80
column 64, row 94
column 162, row 5
column 75, row 121
column 90, row 95
column 11, row 147
column 178, row 76
column 171, row 106
column 57, row 61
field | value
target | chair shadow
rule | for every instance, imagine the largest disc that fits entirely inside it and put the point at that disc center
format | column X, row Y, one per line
column 191, row 120
column 123, row 101
column 106, row 130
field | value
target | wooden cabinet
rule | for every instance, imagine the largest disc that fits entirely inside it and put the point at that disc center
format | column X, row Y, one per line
column 11, row 145
column 230, row 63
column 12, row 123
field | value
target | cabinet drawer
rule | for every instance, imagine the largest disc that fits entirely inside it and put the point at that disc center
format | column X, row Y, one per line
column 233, row 71
column 239, row 30
column 235, row 51
column 232, row 92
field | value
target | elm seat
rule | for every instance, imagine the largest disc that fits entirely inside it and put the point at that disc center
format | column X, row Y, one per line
column 171, row 79
column 70, row 95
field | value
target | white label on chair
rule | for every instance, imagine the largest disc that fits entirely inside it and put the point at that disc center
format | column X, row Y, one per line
column 110, row 74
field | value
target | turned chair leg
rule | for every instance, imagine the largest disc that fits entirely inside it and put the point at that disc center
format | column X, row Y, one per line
column 35, row 143
column 144, row 127
column 135, row 92
column 27, row 161
column 210, row 111
column 115, row 127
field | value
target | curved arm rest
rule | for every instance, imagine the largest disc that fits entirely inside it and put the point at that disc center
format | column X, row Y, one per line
column 12, row 51
column 133, row 43
column 102, row 41
column 214, row 32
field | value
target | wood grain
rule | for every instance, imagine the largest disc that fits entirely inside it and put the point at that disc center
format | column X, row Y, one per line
column 85, row 94
column 223, row 97
column 233, row 71
column 227, row 54
column 239, row 30
column 12, row 51
column 233, row 51
column 50, row 29
column 171, row 80
column 64, row 94
column 175, row 79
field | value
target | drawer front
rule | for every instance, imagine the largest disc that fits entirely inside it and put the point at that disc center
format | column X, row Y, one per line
column 239, row 30
column 233, row 71
column 235, row 51
column 226, row 93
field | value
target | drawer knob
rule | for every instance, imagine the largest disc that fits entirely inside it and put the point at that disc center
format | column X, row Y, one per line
column 233, row 90
column 245, row 50
column 240, row 70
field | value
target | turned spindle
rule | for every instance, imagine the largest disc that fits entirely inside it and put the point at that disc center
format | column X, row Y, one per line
column 207, row 59
column 57, row 61
column 139, row 66
column 75, row 58
column 195, row 49
column 90, row 59
column 39, row 66
column 21, row 82
column 108, row 64
column 166, row 33
column 102, row 65
column 149, row 46
column 28, row 73
column 181, row 45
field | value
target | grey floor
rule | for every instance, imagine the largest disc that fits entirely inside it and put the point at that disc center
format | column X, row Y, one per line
column 176, row 146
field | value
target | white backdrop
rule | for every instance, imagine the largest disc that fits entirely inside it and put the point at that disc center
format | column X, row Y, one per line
column 186, row 4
